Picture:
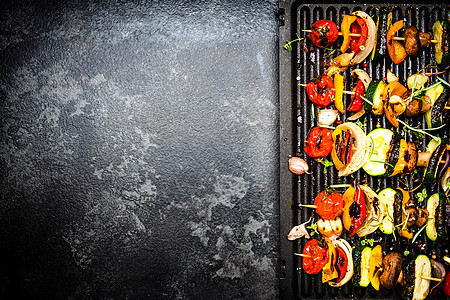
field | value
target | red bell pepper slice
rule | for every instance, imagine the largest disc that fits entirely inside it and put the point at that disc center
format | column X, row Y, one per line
column 359, row 27
column 341, row 264
column 357, row 102
column 357, row 211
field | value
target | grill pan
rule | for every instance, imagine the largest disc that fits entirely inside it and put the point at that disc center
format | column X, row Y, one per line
column 296, row 120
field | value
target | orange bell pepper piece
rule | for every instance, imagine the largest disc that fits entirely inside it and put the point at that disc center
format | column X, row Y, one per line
column 393, row 88
column 396, row 51
column 345, row 30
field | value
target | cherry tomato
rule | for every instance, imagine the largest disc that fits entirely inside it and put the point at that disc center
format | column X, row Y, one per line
column 341, row 264
column 317, row 256
column 447, row 284
column 323, row 33
column 360, row 27
column 329, row 205
column 321, row 91
column 319, row 142
column 357, row 102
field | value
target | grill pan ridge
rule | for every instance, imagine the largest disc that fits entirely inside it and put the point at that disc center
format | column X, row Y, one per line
column 296, row 119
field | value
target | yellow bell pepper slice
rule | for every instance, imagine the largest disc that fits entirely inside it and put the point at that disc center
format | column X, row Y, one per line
column 329, row 271
column 375, row 262
column 339, row 92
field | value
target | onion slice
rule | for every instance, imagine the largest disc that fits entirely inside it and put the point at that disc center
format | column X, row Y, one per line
column 347, row 249
column 327, row 116
column 437, row 271
column 371, row 37
column 363, row 76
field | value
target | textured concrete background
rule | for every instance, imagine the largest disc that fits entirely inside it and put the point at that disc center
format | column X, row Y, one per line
column 139, row 150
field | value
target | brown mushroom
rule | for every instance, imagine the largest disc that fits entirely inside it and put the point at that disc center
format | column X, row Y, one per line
column 425, row 39
column 412, row 42
column 412, row 216
column 413, row 105
column 392, row 265
column 426, row 103
column 422, row 217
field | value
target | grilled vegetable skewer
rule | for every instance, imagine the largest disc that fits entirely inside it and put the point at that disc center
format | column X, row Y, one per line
column 397, row 38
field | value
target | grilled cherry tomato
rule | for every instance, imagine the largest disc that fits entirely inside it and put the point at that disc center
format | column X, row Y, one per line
column 447, row 284
column 341, row 264
column 357, row 103
column 357, row 211
column 321, row 91
column 317, row 256
column 359, row 27
column 323, row 33
column 329, row 205
column 319, row 142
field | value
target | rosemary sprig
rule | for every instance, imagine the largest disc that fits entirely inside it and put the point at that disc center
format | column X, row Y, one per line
column 443, row 81
column 418, row 232
column 381, row 162
column 437, row 139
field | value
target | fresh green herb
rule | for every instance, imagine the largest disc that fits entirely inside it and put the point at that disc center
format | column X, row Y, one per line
column 418, row 232
column 288, row 45
column 437, row 139
column 313, row 227
column 443, row 81
column 329, row 127
column 337, row 186
column 367, row 241
column 381, row 162
column 421, row 196
column 406, row 253
column 326, row 164
column 362, row 125
column 331, row 53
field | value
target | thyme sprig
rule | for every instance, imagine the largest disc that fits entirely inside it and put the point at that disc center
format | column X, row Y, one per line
column 288, row 45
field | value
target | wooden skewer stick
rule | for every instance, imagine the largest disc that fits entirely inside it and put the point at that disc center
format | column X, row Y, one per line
column 345, row 92
column 302, row 255
column 431, row 278
column 447, row 259
column 308, row 205
column 395, row 38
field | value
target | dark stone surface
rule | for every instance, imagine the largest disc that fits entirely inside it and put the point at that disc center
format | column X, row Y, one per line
column 139, row 150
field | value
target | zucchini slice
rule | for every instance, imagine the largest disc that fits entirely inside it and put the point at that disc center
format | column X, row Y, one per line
column 435, row 227
column 441, row 34
column 384, row 21
column 438, row 108
column 387, row 198
column 433, row 94
column 381, row 140
column 416, row 287
column 374, row 94
column 433, row 165
column 393, row 155
column 362, row 261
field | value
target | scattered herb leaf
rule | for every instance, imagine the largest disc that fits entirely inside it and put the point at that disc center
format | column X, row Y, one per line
column 326, row 163
column 313, row 227
column 362, row 125
column 422, row 195
column 288, row 45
